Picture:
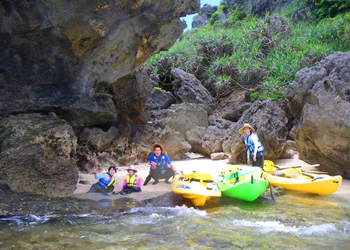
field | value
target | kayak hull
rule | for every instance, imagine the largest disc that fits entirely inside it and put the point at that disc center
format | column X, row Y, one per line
column 324, row 186
column 197, row 191
column 248, row 190
column 249, row 187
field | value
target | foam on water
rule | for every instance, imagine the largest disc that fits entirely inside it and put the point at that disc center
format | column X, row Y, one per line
column 26, row 220
column 322, row 230
column 154, row 215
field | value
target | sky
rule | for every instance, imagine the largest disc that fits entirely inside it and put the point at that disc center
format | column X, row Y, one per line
column 189, row 18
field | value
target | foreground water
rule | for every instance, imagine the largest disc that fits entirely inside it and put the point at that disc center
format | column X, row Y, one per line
column 298, row 221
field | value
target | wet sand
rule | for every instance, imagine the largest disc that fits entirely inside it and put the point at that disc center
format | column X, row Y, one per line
column 186, row 166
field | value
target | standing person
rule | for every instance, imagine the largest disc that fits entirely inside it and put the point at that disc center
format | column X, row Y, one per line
column 161, row 166
column 131, row 183
column 255, row 150
column 105, row 182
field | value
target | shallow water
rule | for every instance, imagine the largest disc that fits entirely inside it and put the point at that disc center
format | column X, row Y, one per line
column 298, row 221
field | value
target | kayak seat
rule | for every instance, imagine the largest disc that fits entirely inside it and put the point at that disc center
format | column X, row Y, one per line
column 295, row 173
column 269, row 167
column 199, row 177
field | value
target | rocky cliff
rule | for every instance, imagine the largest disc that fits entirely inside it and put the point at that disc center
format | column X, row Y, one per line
column 319, row 100
column 74, row 61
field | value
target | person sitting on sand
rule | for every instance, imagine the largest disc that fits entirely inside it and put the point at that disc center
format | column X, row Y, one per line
column 161, row 166
column 105, row 182
column 255, row 150
column 132, row 183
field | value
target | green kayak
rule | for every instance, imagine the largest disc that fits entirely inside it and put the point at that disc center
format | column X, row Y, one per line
column 245, row 185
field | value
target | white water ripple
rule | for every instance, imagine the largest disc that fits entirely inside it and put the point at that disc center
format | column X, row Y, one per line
column 321, row 230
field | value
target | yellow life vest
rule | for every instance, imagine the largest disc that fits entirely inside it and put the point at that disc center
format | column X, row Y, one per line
column 131, row 181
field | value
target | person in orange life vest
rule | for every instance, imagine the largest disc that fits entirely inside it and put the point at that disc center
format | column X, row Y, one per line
column 131, row 182
column 105, row 183
column 255, row 150
column 161, row 166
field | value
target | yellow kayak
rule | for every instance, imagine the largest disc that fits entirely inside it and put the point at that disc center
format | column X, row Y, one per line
column 298, row 181
column 198, row 187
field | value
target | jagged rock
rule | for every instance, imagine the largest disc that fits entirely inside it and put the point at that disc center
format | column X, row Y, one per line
column 97, row 138
column 289, row 150
column 78, row 59
column 38, row 154
column 160, row 99
column 258, row 7
column 217, row 156
column 269, row 121
column 181, row 117
column 287, row 153
column 73, row 48
column 319, row 99
column 173, row 141
column 292, row 145
column 219, row 123
column 206, row 140
column 188, row 89
column 205, row 13
column 235, row 113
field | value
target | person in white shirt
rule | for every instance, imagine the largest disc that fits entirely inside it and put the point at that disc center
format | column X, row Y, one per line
column 255, row 150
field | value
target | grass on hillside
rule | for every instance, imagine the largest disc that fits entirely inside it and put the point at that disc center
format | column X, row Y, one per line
column 235, row 52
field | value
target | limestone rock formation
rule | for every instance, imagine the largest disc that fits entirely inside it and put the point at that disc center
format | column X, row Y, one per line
column 289, row 150
column 78, row 60
column 269, row 121
column 319, row 99
column 205, row 13
column 188, row 89
column 258, row 7
column 55, row 56
column 38, row 154
column 235, row 113
column 181, row 117
column 160, row 99
column 208, row 140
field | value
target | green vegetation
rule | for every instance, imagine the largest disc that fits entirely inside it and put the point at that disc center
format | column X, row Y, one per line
column 325, row 8
column 261, row 55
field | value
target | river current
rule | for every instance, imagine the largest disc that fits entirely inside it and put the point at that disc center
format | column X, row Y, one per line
column 298, row 221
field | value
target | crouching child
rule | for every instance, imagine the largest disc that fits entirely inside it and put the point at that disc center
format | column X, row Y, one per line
column 131, row 183
column 105, row 182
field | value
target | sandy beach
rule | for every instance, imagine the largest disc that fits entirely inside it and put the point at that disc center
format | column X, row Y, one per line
column 205, row 165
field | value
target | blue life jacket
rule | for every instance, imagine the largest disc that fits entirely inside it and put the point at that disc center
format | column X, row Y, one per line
column 251, row 147
column 105, row 182
column 162, row 165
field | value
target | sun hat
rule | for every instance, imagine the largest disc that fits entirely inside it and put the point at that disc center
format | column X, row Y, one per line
column 161, row 147
column 131, row 168
column 246, row 125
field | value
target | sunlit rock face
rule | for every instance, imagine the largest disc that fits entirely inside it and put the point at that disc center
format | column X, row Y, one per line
column 319, row 99
column 77, row 61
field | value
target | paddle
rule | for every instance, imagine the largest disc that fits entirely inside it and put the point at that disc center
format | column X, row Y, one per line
column 282, row 168
column 271, row 194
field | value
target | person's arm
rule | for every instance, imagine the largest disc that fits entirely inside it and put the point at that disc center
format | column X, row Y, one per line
column 167, row 159
column 122, row 187
column 101, row 176
column 248, row 153
column 256, row 143
column 152, row 162
column 138, row 182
